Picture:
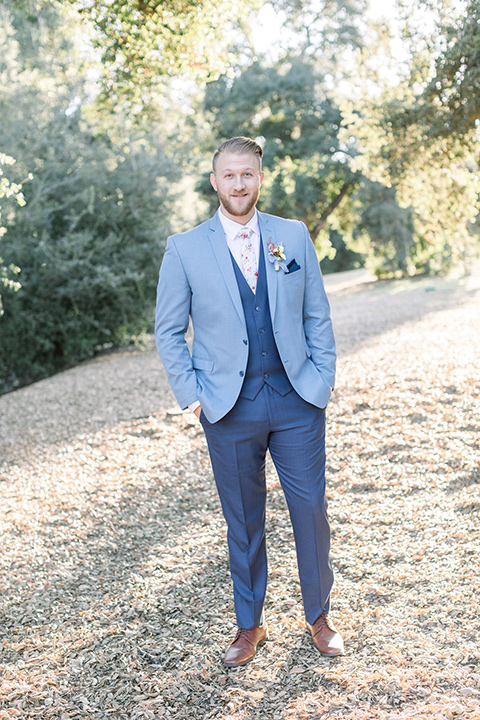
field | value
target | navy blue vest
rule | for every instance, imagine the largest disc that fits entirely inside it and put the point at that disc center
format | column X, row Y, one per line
column 264, row 364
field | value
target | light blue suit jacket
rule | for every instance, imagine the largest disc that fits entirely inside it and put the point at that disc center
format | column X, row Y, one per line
column 197, row 280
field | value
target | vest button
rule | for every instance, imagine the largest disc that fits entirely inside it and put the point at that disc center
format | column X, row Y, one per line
column 266, row 376
column 241, row 373
column 261, row 330
column 264, row 354
column 245, row 342
column 257, row 309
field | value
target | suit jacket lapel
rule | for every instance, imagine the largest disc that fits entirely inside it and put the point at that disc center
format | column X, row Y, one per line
column 224, row 260
column 267, row 235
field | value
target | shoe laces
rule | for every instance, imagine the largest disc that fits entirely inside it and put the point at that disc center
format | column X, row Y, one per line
column 242, row 633
column 323, row 621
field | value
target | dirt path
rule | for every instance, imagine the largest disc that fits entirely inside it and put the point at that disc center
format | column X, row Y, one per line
column 116, row 599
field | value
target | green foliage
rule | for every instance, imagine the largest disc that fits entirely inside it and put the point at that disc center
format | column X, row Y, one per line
column 341, row 257
column 386, row 229
column 438, row 186
column 437, row 103
column 9, row 191
column 408, row 145
column 90, row 237
column 450, row 101
column 145, row 41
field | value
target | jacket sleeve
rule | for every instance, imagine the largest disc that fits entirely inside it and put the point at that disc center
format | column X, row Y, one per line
column 316, row 316
column 171, row 324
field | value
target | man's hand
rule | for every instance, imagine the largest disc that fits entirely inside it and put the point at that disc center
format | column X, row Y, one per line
column 197, row 411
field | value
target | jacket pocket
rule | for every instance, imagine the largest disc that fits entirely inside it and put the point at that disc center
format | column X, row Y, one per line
column 293, row 274
column 202, row 364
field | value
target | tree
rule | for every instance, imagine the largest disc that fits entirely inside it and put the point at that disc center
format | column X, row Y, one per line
column 403, row 145
column 387, row 230
column 90, row 238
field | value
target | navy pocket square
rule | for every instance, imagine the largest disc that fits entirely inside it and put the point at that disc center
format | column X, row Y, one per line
column 292, row 266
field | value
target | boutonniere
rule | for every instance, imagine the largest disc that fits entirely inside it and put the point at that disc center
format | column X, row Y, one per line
column 276, row 255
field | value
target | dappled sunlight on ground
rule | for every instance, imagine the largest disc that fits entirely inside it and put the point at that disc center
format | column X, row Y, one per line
column 116, row 598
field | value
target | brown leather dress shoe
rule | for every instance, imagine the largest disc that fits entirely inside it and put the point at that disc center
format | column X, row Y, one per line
column 244, row 647
column 326, row 637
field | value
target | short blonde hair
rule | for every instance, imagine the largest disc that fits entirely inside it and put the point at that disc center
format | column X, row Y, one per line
column 239, row 145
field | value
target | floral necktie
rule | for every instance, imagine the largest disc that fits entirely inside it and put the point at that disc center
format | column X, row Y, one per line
column 249, row 259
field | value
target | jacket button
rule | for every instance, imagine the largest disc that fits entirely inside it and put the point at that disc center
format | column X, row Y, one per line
column 264, row 354
column 266, row 376
column 241, row 373
column 261, row 330
column 257, row 309
column 245, row 342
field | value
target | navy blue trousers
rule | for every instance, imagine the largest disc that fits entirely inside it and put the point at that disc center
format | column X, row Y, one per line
column 294, row 433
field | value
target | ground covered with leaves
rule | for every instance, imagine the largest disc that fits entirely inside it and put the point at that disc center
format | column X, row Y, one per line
column 115, row 590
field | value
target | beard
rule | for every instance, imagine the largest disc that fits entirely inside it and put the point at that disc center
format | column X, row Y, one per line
column 239, row 206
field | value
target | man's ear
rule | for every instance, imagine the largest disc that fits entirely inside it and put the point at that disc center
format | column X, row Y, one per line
column 213, row 181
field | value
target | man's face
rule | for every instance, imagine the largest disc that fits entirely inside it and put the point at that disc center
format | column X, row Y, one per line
column 237, row 180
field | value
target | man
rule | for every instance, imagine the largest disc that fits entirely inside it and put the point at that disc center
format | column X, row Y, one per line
column 259, row 377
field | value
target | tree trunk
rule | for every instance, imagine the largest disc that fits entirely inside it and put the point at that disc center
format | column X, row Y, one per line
column 331, row 207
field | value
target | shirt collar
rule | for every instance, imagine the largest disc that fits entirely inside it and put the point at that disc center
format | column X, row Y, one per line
column 231, row 227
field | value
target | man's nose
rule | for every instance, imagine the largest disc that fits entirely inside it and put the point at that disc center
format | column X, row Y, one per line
column 239, row 183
